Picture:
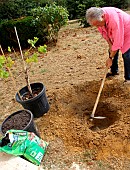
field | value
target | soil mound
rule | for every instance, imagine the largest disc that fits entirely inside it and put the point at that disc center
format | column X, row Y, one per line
column 68, row 119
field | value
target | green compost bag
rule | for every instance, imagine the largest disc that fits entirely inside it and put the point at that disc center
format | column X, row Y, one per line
column 23, row 143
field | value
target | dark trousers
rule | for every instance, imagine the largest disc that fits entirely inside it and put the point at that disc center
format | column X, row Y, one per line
column 114, row 67
column 126, row 59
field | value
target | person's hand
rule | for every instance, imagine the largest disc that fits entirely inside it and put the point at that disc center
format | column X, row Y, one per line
column 108, row 62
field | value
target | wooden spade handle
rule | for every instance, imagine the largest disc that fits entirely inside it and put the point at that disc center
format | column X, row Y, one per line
column 99, row 93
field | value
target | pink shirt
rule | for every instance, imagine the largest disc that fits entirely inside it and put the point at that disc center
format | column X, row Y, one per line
column 117, row 28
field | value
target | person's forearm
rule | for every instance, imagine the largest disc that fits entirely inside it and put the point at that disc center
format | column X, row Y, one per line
column 110, row 44
column 112, row 54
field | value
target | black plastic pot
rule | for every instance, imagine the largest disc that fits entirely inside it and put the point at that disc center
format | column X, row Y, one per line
column 37, row 105
column 11, row 123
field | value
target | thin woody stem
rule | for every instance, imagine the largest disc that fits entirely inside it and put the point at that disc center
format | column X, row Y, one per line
column 25, row 68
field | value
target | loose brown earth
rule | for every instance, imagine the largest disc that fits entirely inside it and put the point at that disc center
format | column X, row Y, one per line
column 72, row 72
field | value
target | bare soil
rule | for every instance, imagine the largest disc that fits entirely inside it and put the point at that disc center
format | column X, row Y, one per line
column 72, row 72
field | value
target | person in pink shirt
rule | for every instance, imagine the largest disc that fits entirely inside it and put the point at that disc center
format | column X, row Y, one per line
column 114, row 25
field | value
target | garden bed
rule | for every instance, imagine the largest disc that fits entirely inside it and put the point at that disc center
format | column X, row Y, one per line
column 72, row 72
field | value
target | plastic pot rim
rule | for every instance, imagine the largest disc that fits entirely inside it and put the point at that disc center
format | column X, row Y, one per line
column 28, row 111
column 29, row 100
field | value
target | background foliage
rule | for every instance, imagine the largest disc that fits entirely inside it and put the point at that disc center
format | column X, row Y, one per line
column 44, row 18
column 43, row 22
column 10, row 9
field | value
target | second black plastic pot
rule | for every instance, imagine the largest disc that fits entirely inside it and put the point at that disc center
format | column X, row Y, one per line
column 24, row 115
column 38, row 105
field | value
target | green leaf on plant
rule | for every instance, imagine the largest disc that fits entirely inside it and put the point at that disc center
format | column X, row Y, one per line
column 26, row 53
column 9, row 49
column 10, row 62
column 1, row 65
column 33, row 42
column 4, row 74
column 33, row 58
column 42, row 49
column 2, row 59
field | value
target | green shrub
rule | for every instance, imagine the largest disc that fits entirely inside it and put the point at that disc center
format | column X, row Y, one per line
column 117, row 3
column 44, row 24
column 51, row 18
column 12, row 9
column 26, row 30
column 78, row 8
column 82, row 7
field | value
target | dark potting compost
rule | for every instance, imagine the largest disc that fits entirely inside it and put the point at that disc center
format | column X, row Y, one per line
column 20, row 120
column 27, row 95
column 17, row 121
